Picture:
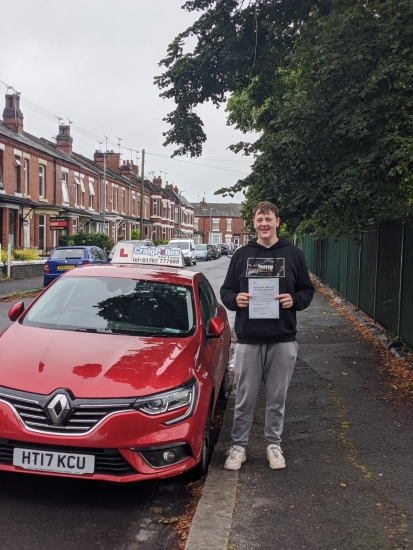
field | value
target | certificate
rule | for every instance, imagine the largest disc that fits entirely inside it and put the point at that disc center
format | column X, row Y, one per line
column 262, row 304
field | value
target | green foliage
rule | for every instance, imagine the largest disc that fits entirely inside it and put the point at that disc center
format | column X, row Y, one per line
column 25, row 254
column 159, row 242
column 63, row 240
column 19, row 254
column 327, row 88
column 91, row 239
column 4, row 255
column 135, row 235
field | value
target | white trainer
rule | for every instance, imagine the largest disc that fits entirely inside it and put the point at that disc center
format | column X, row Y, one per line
column 236, row 456
column 275, row 457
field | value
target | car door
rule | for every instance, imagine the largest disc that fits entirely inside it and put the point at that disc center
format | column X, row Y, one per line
column 224, row 341
column 213, row 347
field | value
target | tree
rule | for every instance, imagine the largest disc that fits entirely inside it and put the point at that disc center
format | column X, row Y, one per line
column 328, row 88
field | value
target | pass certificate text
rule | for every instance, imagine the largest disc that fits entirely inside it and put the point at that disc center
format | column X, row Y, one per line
column 262, row 305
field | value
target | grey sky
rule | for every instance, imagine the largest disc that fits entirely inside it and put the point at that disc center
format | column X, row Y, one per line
column 93, row 62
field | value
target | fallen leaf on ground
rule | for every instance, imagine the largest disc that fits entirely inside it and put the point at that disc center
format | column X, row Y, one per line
column 168, row 520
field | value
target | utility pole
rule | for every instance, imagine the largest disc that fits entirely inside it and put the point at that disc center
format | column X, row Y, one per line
column 180, row 212
column 142, row 194
column 104, row 185
column 210, row 224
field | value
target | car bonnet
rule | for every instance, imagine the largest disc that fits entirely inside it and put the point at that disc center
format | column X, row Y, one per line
column 93, row 365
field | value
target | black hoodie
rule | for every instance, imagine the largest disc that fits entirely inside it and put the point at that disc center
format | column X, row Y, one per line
column 288, row 263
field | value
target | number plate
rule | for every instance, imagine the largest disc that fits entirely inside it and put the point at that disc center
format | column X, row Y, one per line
column 63, row 463
column 64, row 267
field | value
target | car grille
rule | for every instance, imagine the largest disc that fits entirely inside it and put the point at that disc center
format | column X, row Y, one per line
column 107, row 461
column 84, row 415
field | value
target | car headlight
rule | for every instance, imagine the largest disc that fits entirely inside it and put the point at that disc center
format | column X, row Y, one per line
column 183, row 396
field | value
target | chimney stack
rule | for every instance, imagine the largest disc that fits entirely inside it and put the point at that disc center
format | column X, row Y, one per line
column 64, row 140
column 12, row 116
column 112, row 160
column 128, row 168
column 157, row 181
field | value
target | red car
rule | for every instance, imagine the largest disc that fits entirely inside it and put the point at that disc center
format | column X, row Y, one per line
column 113, row 373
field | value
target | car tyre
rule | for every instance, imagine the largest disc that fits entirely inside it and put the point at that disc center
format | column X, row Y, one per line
column 202, row 467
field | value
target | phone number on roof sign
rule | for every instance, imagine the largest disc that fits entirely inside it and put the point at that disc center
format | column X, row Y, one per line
column 157, row 260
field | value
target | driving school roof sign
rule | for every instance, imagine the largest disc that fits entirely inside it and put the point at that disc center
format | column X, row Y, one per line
column 126, row 253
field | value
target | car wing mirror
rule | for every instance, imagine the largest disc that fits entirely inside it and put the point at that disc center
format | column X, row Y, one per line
column 216, row 328
column 16, row 310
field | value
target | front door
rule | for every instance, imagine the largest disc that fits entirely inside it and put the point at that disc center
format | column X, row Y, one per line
column 12, row 226
column 26, row 233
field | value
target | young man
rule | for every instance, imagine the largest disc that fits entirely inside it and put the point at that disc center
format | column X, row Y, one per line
column 266, row 283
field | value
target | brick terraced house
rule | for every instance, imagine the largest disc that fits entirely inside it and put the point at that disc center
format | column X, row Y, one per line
column 216, row 223
column 46, row 188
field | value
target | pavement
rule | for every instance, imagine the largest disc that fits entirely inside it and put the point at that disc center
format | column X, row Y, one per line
column 20, row 285
column 348, row 445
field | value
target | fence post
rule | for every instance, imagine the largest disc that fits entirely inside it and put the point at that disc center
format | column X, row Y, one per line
column 399, row 317
column 376, row 273
column 359, row 270
column 338, row 267
column 347, row 251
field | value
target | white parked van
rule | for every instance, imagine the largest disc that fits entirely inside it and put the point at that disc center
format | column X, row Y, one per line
column 188, row 248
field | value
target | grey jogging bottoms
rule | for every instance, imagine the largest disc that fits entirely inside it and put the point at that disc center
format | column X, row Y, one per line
column 253, row 363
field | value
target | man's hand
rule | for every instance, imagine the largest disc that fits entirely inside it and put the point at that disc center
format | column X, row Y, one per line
column 242, row 299
column 286, row 300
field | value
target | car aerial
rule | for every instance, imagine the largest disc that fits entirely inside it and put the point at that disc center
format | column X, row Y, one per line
column 65, row 258
column 203, row 252
column 121, row 368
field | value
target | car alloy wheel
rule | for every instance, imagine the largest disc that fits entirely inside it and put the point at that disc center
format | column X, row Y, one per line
column 202, row 466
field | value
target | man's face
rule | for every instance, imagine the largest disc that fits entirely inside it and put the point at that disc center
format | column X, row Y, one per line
column 265, row 224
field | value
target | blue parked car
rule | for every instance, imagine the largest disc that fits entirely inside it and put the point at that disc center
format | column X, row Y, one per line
column 64, row 258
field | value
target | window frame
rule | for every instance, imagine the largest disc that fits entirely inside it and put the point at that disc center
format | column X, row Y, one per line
column 65, row 188
column 42, row 181
column 26, row 176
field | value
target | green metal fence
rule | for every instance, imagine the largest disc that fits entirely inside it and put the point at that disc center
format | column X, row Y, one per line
column 374, row 273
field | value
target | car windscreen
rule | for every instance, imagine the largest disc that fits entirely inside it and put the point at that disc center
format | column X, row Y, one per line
column 114, row 305
column 68, row 254
column 201, row 247
column 180, row 244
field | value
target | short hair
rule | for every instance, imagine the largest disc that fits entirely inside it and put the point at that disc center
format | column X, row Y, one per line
column 264, row 207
